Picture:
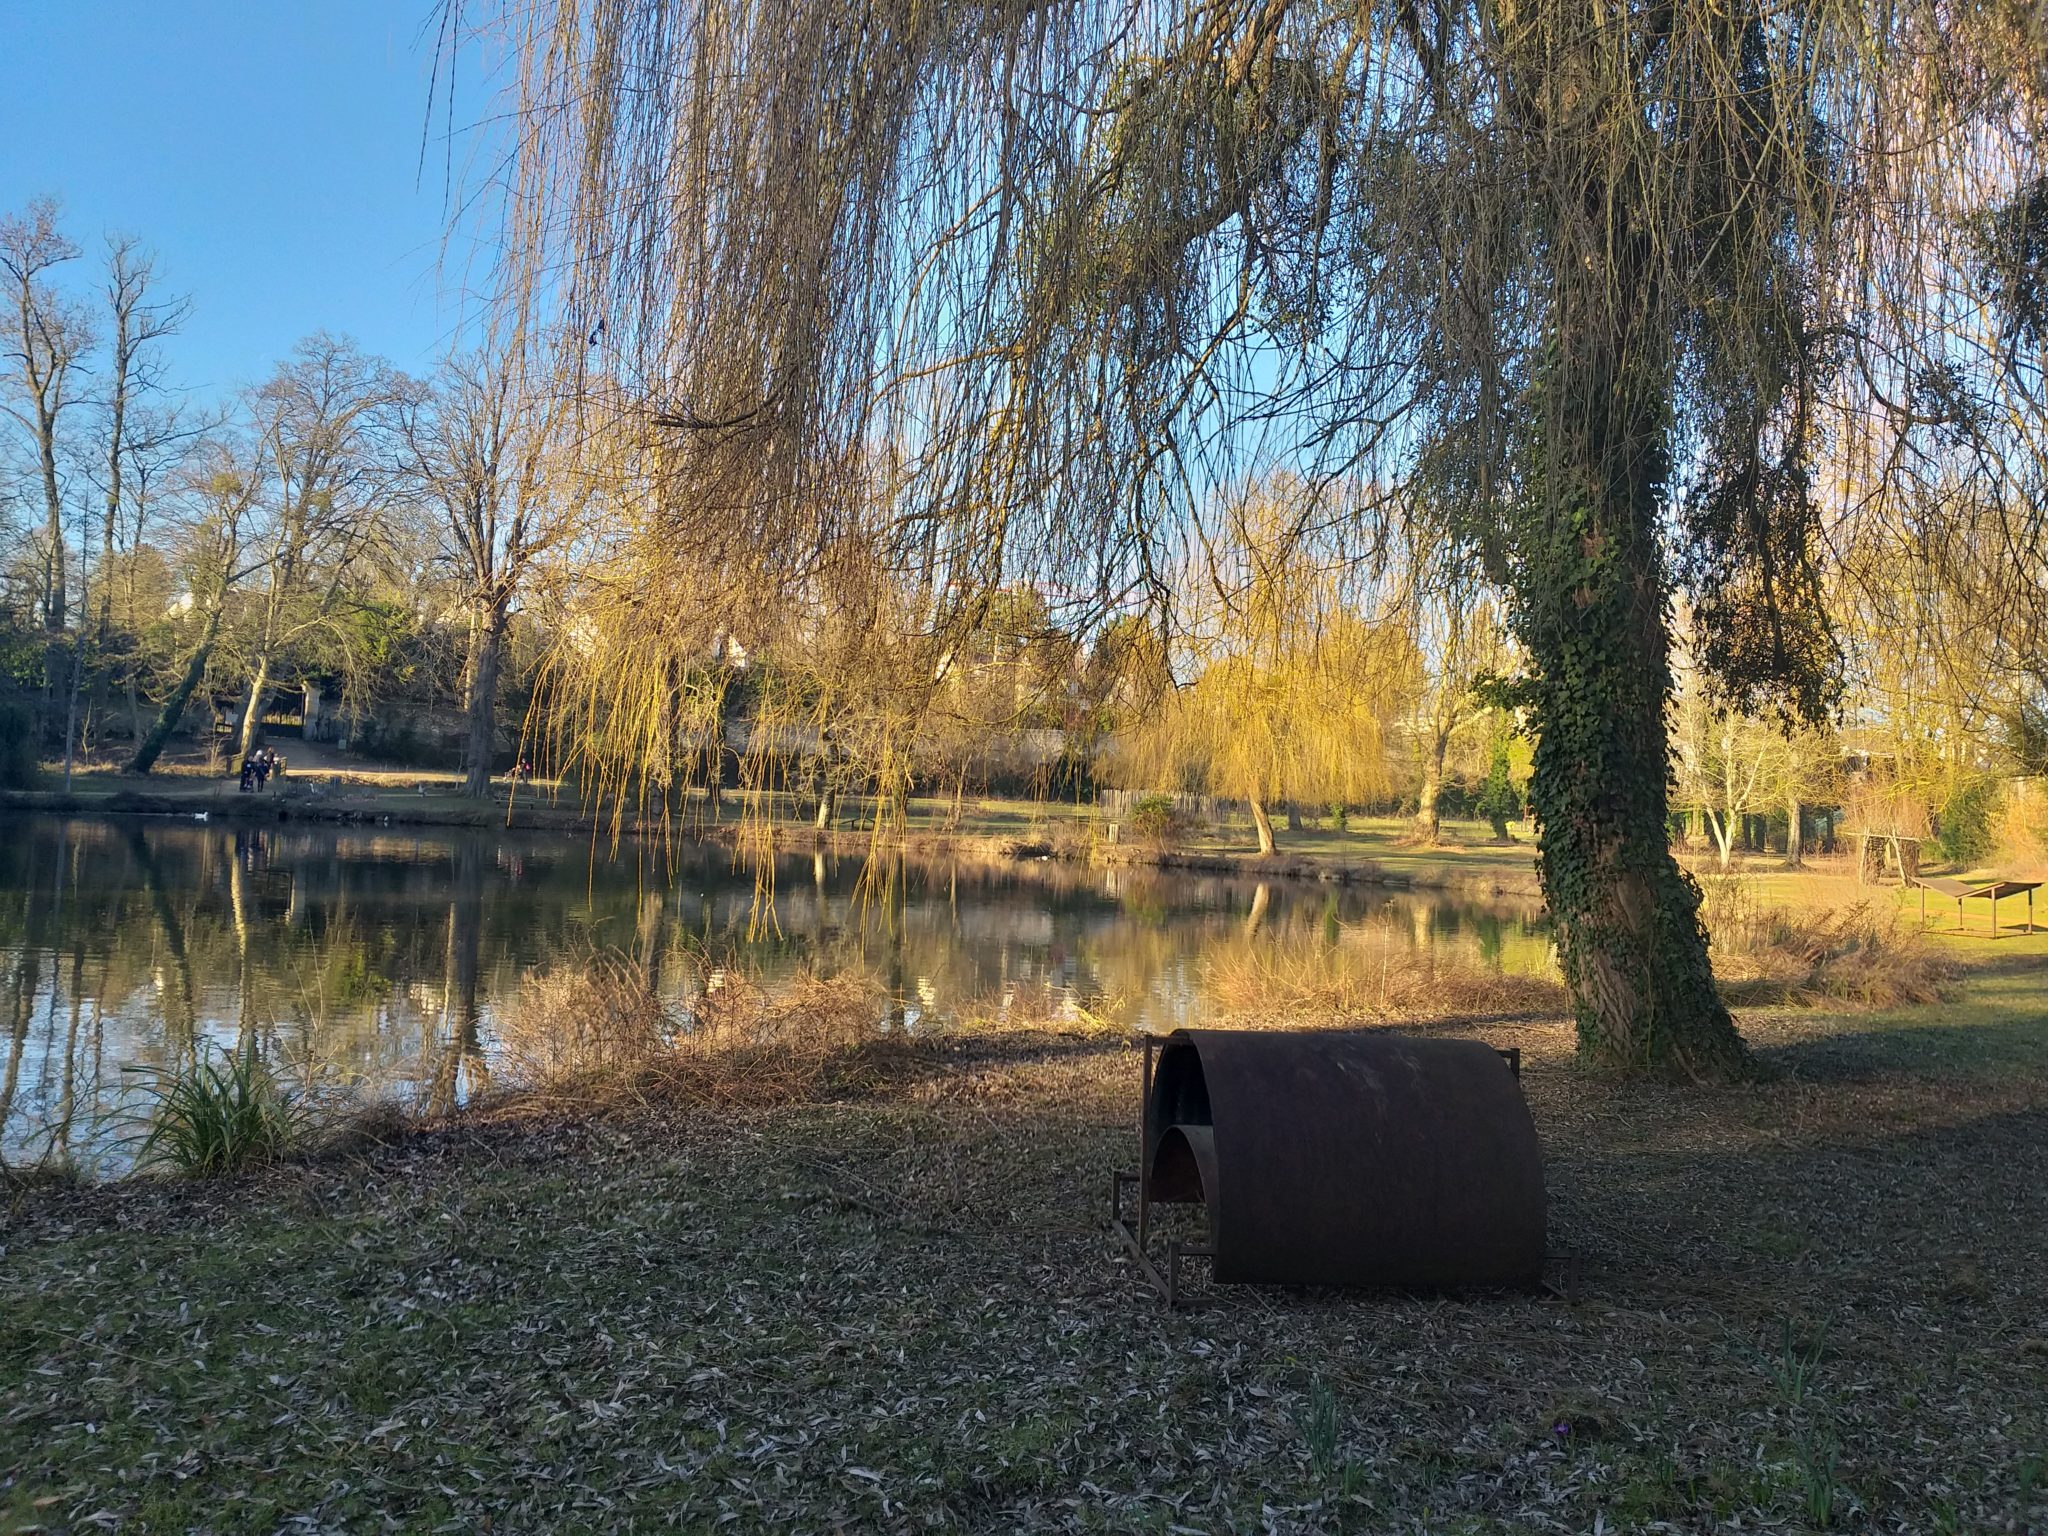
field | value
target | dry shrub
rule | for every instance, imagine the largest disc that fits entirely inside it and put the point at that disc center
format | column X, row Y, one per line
column 1856, row 956
column 574, row 1021
column 1070, row 840
column 1367, row 974
column 598, row 1031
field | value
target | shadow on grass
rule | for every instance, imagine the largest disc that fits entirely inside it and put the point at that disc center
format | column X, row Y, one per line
column 1863, row 1056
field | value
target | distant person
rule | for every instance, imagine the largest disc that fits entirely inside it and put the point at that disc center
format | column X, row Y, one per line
column 248, row 775
column 262, row 769
column 277, row 762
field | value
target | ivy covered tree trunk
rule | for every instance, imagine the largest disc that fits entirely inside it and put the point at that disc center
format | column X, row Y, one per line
column 1593, row 606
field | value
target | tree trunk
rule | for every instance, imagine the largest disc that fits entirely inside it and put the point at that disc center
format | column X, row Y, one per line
column 1264, row 823
column 828, row 807
column 104, row 623
column 71, row 709
column 55, row 606
column 1724, row 837
column 252, row 712
column 1794, row 841
column 1593, row 602
column 151, row 746
column 487, row 644
column 1428, row 824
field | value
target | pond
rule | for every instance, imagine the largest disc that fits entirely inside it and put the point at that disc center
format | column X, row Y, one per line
column 380, row 961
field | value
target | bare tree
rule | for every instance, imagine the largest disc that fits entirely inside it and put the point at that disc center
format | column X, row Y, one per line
column 316, row 420
column 45, row 344
column 1460, row 642
column 158, row 442
column 476, row 445
column 138, row 324
column 223, row 485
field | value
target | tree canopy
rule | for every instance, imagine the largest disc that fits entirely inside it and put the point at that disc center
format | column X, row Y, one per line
column 1646, row 296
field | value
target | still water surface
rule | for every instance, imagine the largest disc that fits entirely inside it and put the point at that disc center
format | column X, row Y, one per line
column 378, row 962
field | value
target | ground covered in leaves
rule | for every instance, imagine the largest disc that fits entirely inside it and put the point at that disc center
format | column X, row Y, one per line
column 1821, row 1302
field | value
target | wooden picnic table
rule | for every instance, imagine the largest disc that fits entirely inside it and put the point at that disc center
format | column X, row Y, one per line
column 1963, row 890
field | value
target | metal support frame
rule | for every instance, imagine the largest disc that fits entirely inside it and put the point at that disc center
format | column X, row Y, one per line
column 1136, row 1239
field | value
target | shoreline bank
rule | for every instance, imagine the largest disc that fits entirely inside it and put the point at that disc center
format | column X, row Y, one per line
column 1071, row 841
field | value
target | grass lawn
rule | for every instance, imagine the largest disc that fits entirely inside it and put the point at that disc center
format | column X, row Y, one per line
column 1821, row 1302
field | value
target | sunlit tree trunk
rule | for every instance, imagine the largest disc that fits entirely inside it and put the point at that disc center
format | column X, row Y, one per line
column 1722, row 825
column 54, row 597
column 151, row 747
column 252, row 713
column 1428, row 825
column 71, row 694
column 1794, row 841
column 1264, row 823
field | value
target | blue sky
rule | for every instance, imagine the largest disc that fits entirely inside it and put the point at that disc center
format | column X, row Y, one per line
column 270, row 154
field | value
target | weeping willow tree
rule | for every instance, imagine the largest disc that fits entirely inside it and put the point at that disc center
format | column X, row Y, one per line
column 1605, row 277
column 1286, row 673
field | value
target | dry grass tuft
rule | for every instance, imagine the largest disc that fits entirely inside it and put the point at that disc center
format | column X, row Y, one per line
column 594, row 1034
column 573, row 1021
column 1856, row 957
column 1368, row 974
column 1041, row 1007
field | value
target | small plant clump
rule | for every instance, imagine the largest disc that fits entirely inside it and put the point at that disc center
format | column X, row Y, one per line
column 1158, row 822
column 219, row 1116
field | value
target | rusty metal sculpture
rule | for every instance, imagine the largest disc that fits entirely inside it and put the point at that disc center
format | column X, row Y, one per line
column 1342, row 1158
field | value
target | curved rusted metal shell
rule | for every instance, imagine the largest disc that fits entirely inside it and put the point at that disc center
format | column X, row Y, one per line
column 1350, row 1157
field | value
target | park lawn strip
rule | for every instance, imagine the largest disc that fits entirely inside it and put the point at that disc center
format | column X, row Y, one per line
column 1820, row 1301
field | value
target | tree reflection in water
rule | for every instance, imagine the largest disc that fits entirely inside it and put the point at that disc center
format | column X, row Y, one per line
column 371, row 961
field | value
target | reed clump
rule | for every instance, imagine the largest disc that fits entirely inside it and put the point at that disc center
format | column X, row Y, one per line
column 1858, row 957
column 1367, row 975
column 600, row 1031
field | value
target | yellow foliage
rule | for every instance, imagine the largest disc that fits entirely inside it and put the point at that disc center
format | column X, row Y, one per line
column 1286, row 689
